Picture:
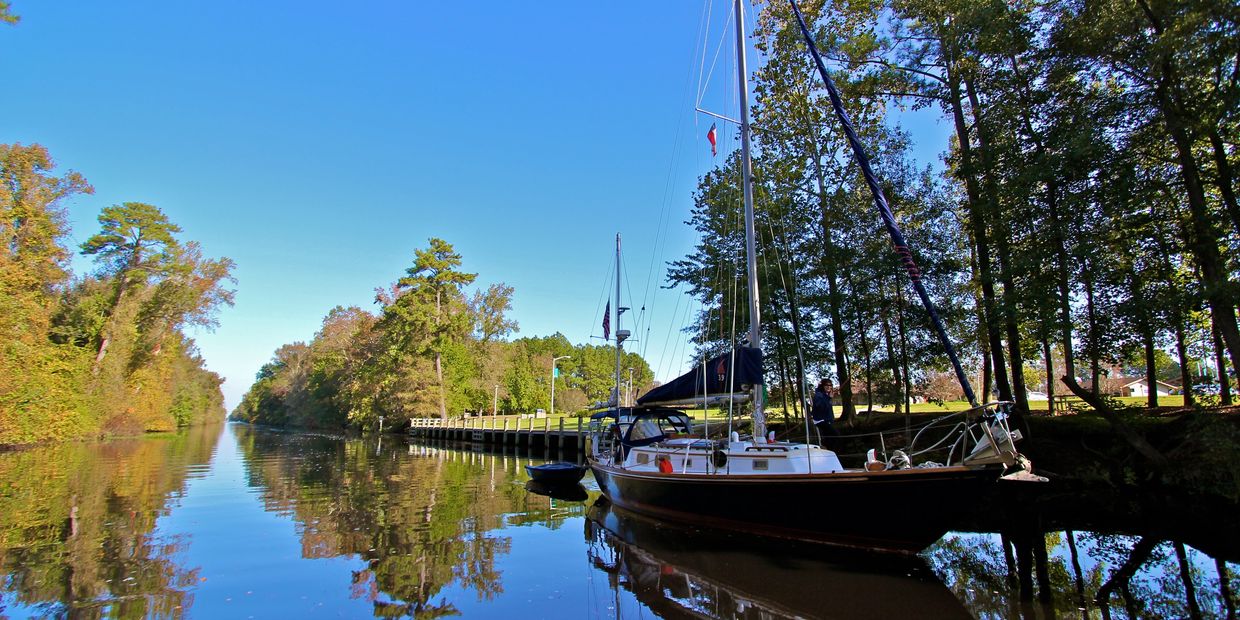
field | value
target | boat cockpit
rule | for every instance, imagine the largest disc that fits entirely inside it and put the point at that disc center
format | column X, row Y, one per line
column 661, row 439
column 628, row 427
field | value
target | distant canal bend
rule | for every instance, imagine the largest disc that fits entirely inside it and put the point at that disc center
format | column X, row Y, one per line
column 235, row 521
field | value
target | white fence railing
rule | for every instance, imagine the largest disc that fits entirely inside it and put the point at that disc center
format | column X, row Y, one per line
column 489, row 424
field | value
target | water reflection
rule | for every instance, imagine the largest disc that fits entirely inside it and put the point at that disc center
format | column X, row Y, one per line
column 280, row 524
column 565, row 492
column 422, row 518
column 77, row 527
column 1084, row 574
column 679, row 572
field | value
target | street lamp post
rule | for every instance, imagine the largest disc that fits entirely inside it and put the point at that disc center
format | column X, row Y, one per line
column 553, row 361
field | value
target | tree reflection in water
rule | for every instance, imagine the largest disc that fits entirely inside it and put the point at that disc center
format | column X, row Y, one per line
column 421, row 524
column 77, row 524
column 1084, row 574
column 432, row 532
column 431, row 523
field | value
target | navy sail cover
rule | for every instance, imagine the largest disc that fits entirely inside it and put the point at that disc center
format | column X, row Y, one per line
column 719, row 375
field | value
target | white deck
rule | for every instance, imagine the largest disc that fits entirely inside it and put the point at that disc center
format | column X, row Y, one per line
column 696, row 456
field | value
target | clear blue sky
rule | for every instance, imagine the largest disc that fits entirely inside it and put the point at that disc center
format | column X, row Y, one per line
column 318, row 145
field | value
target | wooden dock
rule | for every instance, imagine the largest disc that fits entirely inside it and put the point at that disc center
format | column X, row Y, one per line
column 527, row 433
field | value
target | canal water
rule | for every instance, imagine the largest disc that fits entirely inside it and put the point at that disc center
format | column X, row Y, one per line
column 239, row 522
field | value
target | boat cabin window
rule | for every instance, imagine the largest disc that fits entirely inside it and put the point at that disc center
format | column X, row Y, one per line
column 645, row 428
column 675, row 424
column 761, row 465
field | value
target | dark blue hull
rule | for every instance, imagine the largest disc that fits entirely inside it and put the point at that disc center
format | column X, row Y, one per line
column 900, row 511
column 556, row 474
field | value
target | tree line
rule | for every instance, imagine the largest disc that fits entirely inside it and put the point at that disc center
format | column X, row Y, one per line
column 1086, row 224
column 103, row 352
column 433, row 348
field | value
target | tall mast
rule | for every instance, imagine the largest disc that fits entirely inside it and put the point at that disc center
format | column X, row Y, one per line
column 751, row 255
column 619, row 334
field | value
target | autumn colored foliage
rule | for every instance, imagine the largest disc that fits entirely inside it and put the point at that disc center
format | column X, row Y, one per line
column 105, row 352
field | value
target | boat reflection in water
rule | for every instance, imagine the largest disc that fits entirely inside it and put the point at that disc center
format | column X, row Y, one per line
column 569, row 493
column 681, row 572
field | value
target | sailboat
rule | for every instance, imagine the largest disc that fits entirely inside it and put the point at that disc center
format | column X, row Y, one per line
column 650, row 459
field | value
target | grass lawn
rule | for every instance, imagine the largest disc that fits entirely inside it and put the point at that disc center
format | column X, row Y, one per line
column 720, row 415
column 1034, row 405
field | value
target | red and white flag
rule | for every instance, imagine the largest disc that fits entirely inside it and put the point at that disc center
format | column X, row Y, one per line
column 710, row 135
column 607, row 321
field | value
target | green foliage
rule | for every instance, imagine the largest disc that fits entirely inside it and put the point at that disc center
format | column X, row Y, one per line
column 6, row 14
column 430, row 349
column 55, row 381
column 136, row 241
column 524, row 391
column 1087, row 217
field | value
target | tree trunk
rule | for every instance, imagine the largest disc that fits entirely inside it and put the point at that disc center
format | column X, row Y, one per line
column 1074, row 559
column 1202, row 237
column 977, row 223
column 1226, row 178
column 1151, row 372
column 1009, row 560
column 1136, row 559
column 1058, row 240
column 848, row 412
column 106, row 338
column 1220, row 361
column 1020, row 395
column 1050, row 374
column 1057, row 232
column 1024, row 564
column 1144, row 324
column 794, row 315
column 1186, row 375
column 103, row 350
column 908, row 382
column 443, row 400
column 983, row 333
column 1126, row 432
column 998, row 225
column 1224, row 587
column 988, row 374
column 782, row 361
column 869, row 365
column 866, row 350
column 1094, row 348
column 1041, row 567
column 1063, row 277
column 891, row 357
column 1186, row 577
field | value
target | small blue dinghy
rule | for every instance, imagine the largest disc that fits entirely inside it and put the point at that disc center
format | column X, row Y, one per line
column 556, row 474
